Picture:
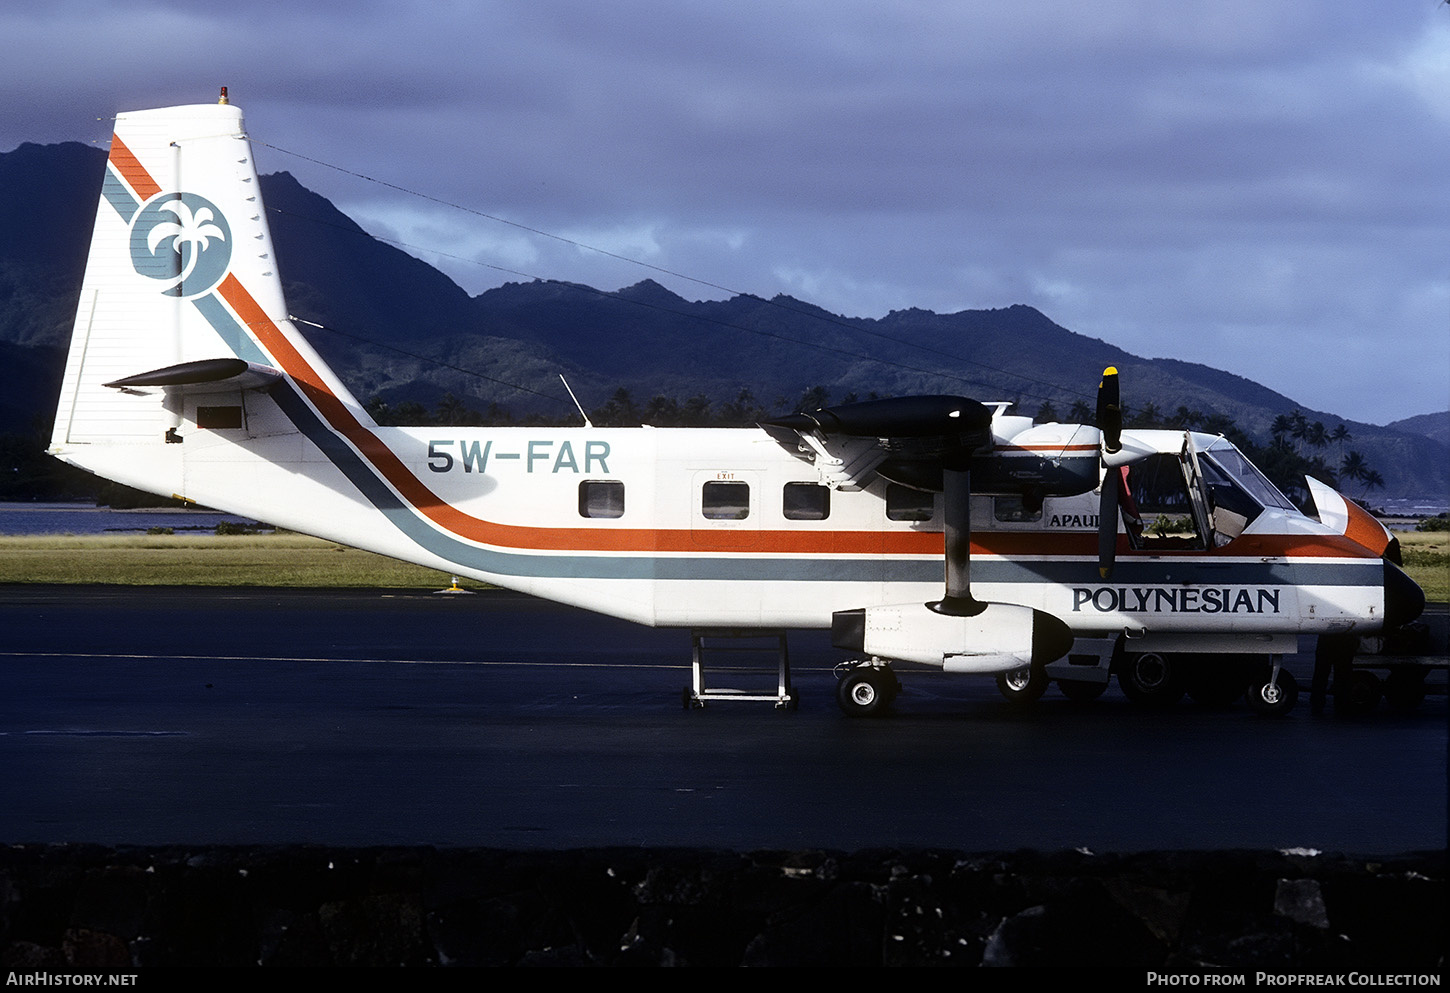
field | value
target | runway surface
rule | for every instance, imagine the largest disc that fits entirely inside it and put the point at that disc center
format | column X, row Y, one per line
column 156, row 716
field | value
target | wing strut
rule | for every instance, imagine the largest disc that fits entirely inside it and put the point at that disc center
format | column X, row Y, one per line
column 957, row 520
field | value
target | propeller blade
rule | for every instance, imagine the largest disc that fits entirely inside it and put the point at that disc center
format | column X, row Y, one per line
column 1108, row 524
column 1110, row 411
column 1110, row 426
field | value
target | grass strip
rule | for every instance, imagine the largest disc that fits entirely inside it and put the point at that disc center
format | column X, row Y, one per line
column 1427, row 559
column 296, row 560
column 206, row 560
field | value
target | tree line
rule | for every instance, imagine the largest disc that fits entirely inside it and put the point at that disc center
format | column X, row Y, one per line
column 1298, row 446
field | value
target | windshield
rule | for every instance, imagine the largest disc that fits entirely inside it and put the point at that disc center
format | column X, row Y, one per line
column 1245, row 475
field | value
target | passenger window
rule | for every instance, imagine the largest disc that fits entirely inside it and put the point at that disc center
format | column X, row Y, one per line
column 601, row 498
column 806, row 502
column 905, row 504
column 723, row 501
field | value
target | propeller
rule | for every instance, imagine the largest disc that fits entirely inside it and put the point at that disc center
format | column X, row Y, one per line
column 1110, row 425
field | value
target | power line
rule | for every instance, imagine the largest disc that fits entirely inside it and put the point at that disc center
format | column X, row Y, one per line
column 814, row 314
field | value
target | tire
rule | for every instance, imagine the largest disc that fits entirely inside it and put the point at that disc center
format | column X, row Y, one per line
column 1022, row 686
column 865, row 691
column 1273, row 699
column 1080, row 690
column 1151, row 679
column 1405, row 690
column 1359, row 696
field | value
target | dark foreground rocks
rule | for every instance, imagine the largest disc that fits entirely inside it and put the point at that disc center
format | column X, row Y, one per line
column 88, row 909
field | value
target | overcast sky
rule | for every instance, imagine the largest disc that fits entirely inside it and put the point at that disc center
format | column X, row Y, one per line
column 1258, row 185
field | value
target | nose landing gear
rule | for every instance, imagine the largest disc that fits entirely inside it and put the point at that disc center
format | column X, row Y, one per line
column 866, row 689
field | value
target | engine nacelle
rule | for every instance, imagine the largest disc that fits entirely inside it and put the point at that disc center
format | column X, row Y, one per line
column 998, row 638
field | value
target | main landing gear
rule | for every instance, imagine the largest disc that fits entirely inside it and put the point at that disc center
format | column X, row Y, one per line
column 1159, row 680
column 866, row 689
column 1272, row 690
column 1023, row 686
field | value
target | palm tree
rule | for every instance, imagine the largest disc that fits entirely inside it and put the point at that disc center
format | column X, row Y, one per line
column 1185, row 418
column 1339, row 436
column 696, row 411
column 1148, row 416
column 744, row 409
column 1298, row 426
column 1218, row 424
column 814, row 398
column 1316, row 435
column 1353, row 466
column 662, row 412
column 619, row 412
column 451, row 411
column 1372, row 481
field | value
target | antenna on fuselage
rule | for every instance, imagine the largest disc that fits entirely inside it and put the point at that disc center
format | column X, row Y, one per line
column 577, row 404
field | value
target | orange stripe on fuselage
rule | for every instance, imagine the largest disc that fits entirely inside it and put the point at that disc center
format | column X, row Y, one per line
column 132, row 171
column 451, row 519
column 1044, row 544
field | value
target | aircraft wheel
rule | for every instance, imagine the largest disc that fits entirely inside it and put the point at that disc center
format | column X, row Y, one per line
column 1023, row 686
column 865, row 691
column 1360, row 696
column 1151, row 679
column 1405, row 690
column 1080, row 690
column 1273, row 699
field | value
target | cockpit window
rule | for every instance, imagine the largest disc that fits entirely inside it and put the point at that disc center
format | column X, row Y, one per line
column 1243, row 473
column 1230, row 508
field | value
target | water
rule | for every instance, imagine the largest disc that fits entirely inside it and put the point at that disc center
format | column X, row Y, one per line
column 1420, row 507
column 80, row 518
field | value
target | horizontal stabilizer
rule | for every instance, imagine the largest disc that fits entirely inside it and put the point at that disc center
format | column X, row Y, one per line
column 204, row 376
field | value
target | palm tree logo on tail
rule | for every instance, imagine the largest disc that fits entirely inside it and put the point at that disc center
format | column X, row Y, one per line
column 183, row 241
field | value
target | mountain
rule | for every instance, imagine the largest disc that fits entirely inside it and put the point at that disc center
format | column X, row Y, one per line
column 398, row 329
column 1433, row 426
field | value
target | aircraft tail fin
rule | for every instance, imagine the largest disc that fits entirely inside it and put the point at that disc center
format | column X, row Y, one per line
column 181, row 292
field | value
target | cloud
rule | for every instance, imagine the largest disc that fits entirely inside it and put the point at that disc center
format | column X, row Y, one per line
column 1254, row 185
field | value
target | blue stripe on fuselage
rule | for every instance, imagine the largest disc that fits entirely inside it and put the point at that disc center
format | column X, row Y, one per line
column 753, row 568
